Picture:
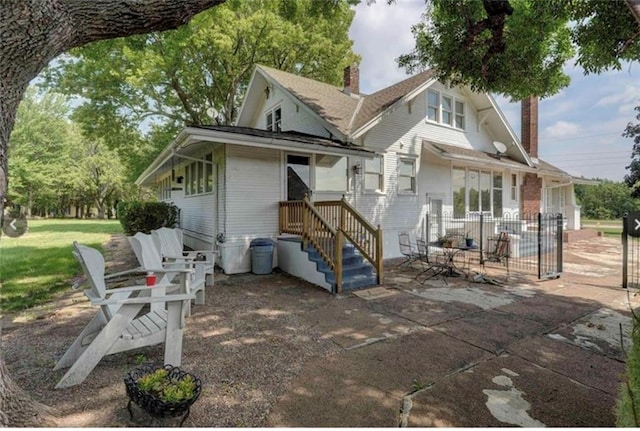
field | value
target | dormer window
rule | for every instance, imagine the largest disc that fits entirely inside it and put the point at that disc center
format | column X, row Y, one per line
column 274, row 120
column 445, row 109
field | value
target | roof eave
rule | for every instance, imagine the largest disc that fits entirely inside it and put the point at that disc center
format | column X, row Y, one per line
column 464, row 158
column 162, row 157
column 510, row 131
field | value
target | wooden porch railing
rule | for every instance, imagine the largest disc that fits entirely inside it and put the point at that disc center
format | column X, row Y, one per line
column 341, row 218
column 301, row 218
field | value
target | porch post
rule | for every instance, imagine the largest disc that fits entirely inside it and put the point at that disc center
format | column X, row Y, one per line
column 338, row 262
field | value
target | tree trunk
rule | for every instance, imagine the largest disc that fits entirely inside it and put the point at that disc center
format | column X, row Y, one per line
column 32, row 33
column 17, row 409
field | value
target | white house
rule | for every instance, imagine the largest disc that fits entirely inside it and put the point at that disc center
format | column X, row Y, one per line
column 416, row 147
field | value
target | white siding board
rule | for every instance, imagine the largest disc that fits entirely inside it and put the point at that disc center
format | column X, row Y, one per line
column 253, row 191
column 295, row 116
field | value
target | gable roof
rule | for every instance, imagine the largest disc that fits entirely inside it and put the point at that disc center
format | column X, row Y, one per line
column 376, row 103
column 326, row 100
column 347, row 113
column 353, row 115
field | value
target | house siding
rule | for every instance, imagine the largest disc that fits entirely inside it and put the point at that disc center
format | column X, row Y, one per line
column 295, row 116
column 399, row 135
column 252, row 191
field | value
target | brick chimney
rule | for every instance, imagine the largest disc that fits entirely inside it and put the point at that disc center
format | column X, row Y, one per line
column 351, row 79
column 531, row 191
column 529, row 131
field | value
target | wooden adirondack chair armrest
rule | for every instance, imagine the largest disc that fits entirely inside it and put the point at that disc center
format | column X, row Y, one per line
column 165, row 270
column 121, row 273
column 177, row 257
column 139, row 287
column 147, row 299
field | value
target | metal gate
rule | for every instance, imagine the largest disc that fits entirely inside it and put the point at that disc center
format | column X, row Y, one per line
column 549, row 245
column 534, row 241
column 631, row 250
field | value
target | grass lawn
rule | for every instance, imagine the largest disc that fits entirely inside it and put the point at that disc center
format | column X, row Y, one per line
column 37, row 265
column 608, row 227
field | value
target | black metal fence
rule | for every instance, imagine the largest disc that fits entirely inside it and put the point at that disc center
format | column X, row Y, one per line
column 530, row 243
column 631, row 250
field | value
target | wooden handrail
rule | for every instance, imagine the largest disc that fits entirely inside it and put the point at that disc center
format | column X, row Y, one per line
column 332, row 222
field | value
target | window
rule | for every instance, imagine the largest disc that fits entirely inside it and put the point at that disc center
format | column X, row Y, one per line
column 497, row 194
column 476, row 191
column 208, row 173
column 164, row 191
column 199, row 176
column 407, row 176
column 446, row 110
column 459, row 115
column 374, row 174
column 433, row 105
column 459, row 192
column 274, row 120
column 514, row 187
column 331, row 173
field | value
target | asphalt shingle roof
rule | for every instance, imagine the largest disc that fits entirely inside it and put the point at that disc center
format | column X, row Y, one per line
column 347, row 113
column 326, row 100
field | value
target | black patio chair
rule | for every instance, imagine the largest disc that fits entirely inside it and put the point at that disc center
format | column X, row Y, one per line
column 500, row 252
column 407, row 249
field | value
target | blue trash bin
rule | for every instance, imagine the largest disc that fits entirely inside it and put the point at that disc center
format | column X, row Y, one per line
column 262, row 255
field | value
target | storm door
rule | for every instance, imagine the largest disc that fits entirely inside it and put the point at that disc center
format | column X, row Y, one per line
column 298, row 176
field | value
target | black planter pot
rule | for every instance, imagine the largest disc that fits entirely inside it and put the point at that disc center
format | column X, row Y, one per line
column 152, row 404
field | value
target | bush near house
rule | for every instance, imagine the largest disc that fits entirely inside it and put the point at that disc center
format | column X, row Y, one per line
column 628, row 406
column 146, row 216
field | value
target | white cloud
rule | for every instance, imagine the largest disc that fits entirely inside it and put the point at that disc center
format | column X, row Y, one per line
column 562, row 129
column 381, row 33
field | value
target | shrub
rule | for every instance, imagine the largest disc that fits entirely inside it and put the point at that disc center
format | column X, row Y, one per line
column 146, row 216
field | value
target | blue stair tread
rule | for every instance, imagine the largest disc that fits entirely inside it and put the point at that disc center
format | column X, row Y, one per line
column 361, row 268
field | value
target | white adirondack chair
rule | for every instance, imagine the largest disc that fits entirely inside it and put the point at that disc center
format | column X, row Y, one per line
column 150, row 259
column 118, row 325
column 171, row 245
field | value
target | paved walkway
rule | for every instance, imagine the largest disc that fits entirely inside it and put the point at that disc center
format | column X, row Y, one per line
column 466, row 355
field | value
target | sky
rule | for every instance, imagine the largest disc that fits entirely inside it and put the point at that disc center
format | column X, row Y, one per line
column 580, row 128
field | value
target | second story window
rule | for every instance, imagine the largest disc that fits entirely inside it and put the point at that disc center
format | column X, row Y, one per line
column 274, row 120
column 445, row 109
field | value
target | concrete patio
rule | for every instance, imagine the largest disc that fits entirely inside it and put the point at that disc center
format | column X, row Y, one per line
column 274, row 351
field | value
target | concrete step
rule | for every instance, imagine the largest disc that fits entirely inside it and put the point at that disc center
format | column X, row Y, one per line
column 355, row 282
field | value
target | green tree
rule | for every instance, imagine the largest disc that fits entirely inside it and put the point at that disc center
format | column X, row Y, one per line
column 41, row 148
column 100, row 176
column 607, row 200
column 164, row 81
column 518, row 47
column 632, row 179
column 33, row 34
